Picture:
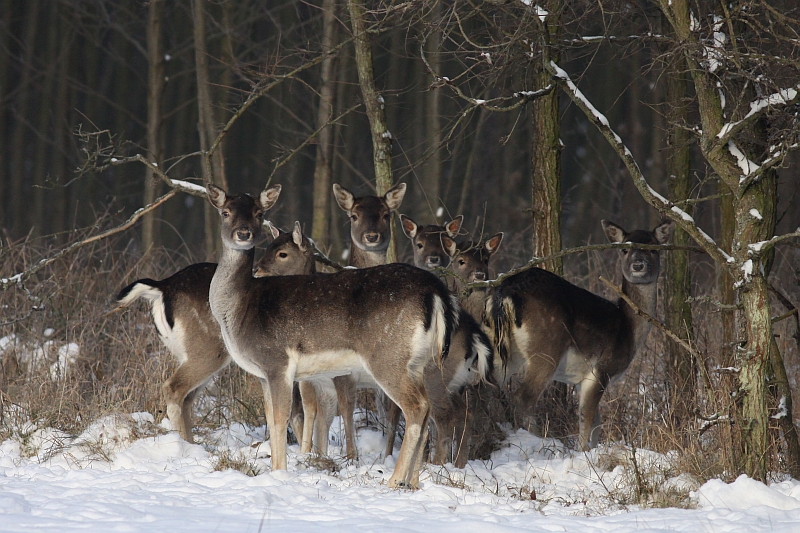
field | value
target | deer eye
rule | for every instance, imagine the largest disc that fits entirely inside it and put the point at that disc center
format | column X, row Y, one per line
column 386, row 216
column 226, row 214
column 283, row 255
column 462, row 262
column 259, row 214
column 625, row 252
column 419, row 245
column 353, row 218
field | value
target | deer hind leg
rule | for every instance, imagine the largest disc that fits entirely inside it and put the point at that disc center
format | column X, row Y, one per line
column 392, row 420
column 180, row 389
column 346, row 396
column 590, row 393
column 538, row 375
column 308, row 394
column 278, row 401
column 411, row 397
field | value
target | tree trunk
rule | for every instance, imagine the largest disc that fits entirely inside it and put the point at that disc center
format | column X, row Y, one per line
column 373, row 101
column 211, row 165
column 155, row 92
column 432, row 168
column 681, row 367
column 546, row 154
column 320, row 228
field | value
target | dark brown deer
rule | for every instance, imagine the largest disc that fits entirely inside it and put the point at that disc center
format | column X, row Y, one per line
column 185, row 325
column 389, row 321
column 546, row 328
column 470, row 262
column 469, row 362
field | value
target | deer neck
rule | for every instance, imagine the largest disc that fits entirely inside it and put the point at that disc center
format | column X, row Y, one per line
column 644, row 297
column 231, row 280
column 362, row 259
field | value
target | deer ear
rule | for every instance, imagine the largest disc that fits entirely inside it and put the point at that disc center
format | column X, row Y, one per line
column 269, row 196
column 493, row 244
column 613, row 232
column 449, row 246
column 344, row 198
column 394, row 196
column 274, row 230
column 454, row 226
column 409, row 226
column 297, row 236
column 216, row 195
column 664, row 231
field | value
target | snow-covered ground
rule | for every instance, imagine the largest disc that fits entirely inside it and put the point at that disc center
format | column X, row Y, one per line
column 126, row 474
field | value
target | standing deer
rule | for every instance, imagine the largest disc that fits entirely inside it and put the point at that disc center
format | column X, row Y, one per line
column 388, row 321
column 470, row 262
column 547, row 328
column 185, row 325
column 469, row 362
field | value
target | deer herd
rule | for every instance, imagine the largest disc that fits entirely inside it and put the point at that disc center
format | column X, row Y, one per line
column 313, row 339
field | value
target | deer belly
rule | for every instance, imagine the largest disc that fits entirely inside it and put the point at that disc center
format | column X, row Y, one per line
column 325, row 364
column 573, row 368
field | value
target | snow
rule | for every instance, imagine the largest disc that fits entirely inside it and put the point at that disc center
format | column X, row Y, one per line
column 189, row 185
column 123, row 473
column 755, row 214
column 742, row 161
column 783, row 96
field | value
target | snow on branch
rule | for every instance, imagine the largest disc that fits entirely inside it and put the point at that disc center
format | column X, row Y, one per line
column 757, row 108
column 684, row 220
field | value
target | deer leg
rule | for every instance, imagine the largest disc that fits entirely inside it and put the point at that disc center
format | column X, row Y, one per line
column 413, row 400
column 392, row 419
column 278, row 396
column 538, row 375
column 346, row 396
column 308, row 394
column 326, row 410
column 179, row 390
column 462, row 431
column 591, row 392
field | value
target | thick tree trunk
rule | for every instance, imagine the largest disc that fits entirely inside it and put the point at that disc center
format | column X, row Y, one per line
column 155, row 92
column 681, row 367
column 374, row 104
column 320, row 228
column 546, row 154
column 211, row 165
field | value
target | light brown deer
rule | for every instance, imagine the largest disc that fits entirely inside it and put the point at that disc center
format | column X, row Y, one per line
column 185, row 325
column 546, row 328
column 388, row 321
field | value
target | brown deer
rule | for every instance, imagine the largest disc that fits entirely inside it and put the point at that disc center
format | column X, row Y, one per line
column 185, row 325
column 470, row 262
column 370, row 234
column 469, row 362
column 388, row 321
column 547, row 328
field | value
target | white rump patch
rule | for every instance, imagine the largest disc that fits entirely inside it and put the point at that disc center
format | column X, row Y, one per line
column 324, row 364
column 574, row 367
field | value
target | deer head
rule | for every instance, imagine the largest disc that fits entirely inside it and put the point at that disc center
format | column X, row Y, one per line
column 640, row 267
column 288, row 254
column 370, row 216
column 242, row 215
column 426, row 241
column 470, row 259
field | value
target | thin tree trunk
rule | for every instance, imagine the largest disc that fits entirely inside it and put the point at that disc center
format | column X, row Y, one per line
column 681, row 367
column 5, row 76
column 155, row 93
column 373, row 101
column 211, row 166
column 432, row 168
column 19, row 139
column 61, row 163
column 320, row 228
column 44, row 148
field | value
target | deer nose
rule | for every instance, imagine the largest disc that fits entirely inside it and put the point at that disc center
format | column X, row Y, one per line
column 433, row 260
column 372, row 237
column 243, row 234
column 479, row 276
column 638, row 266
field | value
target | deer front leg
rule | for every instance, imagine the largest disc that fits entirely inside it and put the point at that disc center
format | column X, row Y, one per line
column 392, row 420
column 591, row 391
column 278, row 400
column 413, row 400
column 308, row 394
column 346, row 396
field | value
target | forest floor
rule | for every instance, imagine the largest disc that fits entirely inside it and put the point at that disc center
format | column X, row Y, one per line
column 127, row 473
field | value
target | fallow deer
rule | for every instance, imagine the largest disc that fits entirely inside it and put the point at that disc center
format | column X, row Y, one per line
column 185, row 325
column 388, row 321
column 546, row 328
column 469, row 362
column 470, row 262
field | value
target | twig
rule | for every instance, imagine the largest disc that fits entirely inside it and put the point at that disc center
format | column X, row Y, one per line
column 649, row 318
column 17, row 279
